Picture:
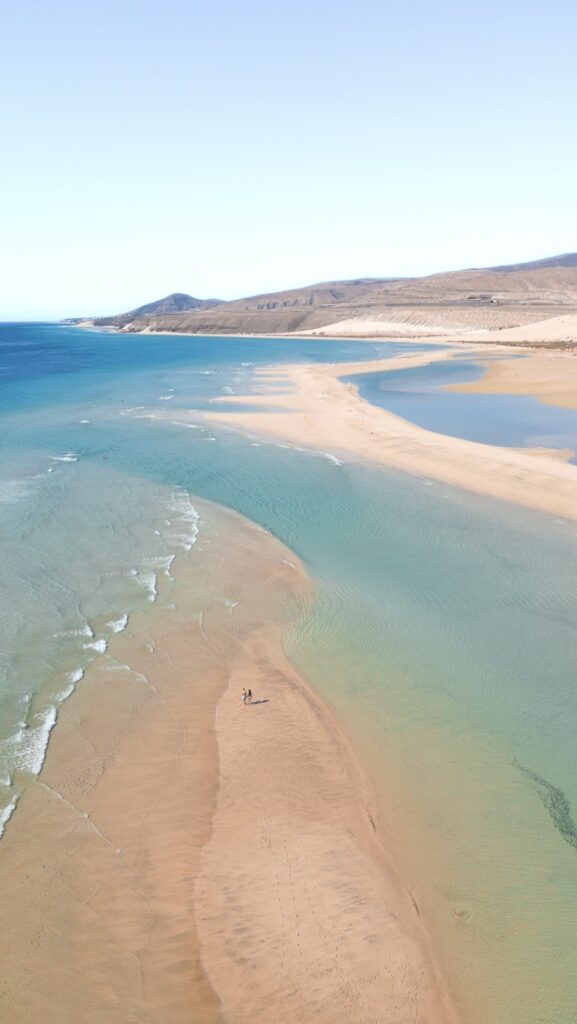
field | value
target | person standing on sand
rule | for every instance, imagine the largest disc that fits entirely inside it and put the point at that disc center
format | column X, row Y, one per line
column 249, row 697
column 244, row 696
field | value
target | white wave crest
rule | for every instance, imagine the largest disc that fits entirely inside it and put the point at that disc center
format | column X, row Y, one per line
column 64, row 694
column 6, row 813
column 26, row 749
column 331, row 458
column 188, row 518
column 117, row 625
column 100, row 646
column 67, row 457
column 148, row 581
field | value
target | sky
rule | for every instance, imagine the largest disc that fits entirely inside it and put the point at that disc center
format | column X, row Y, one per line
column 228, row 148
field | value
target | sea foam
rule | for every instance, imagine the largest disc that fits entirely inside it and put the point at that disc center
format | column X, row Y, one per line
column 27, row 747
column 67, row 457
column 6, row 813
column 148, row 581
column 117, row 625
column 100, row 646
column 188, row 517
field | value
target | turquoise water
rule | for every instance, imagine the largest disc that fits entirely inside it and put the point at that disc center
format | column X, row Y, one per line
column 94, row 505
column 443, row 629
column 518, row 421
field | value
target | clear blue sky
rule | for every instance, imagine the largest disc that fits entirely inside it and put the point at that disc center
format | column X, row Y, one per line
column 226, row 148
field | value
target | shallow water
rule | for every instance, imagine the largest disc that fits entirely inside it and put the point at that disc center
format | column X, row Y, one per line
column 89, row 526
column 419, row 395
column 443, row 630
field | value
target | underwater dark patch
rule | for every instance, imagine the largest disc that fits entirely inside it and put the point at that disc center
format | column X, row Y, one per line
column 556, row 804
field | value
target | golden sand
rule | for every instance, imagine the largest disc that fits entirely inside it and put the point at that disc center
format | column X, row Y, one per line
column 549, row 376
column 301, row 918
column 175, row 865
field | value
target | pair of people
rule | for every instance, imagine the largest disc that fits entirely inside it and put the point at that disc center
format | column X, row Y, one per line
column 246, row 696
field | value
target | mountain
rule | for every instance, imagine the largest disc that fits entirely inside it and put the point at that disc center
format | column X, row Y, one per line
column 177, row 302
column 568, row 259
column 494, row 298
column 326, row 293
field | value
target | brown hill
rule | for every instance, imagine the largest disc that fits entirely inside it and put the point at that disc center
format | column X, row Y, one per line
column 568, row 259
column 493, row 299
column 176, row 302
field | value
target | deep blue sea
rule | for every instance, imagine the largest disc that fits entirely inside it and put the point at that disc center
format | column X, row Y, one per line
column 443, row 629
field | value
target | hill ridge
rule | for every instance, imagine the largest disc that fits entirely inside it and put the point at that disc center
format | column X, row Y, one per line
column 493, row 298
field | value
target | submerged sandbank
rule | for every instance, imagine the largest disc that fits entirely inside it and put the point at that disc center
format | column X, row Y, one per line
column 170, row 864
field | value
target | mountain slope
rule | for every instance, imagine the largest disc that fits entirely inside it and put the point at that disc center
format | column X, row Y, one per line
column 568, row 259
column 488, row 299
column 177, row 302
column 170, row 305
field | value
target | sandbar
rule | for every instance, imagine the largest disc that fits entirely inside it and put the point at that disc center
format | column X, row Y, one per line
column 185, row 858
column 321, row 410
column 550, row 376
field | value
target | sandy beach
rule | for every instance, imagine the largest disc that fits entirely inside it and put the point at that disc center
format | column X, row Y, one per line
column 176, row 864
column 549, row 376
column 320, row 410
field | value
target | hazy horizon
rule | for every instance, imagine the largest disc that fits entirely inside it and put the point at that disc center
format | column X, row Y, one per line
column 224, row 152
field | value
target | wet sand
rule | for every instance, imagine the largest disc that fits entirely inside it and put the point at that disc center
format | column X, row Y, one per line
column 173, row 864
column 549, row 376
column 321, row 411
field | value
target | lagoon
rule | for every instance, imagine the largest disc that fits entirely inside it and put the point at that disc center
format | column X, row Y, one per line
column 420, row 395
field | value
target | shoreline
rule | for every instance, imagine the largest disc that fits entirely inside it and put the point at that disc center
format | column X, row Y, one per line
column 160, row 830
column 321, row 411
column 551, row 377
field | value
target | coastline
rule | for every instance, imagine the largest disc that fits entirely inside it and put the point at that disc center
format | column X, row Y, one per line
column 169, row 860
column 550, row 377
column 320, row 410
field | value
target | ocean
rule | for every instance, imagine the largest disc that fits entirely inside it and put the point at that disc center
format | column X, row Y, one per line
column 442, row 631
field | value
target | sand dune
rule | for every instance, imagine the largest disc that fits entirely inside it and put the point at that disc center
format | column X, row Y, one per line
column 558, row 330
column 494, row 325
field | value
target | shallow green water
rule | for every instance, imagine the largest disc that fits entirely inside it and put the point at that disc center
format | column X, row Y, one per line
column 443, row 632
